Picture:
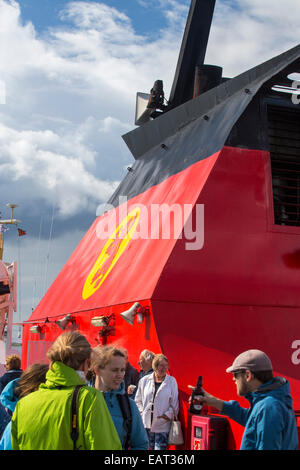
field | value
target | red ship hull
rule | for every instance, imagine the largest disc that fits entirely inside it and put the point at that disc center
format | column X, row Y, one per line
column 239, row 291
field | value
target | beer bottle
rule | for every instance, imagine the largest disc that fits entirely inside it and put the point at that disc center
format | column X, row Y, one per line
column 196, row 406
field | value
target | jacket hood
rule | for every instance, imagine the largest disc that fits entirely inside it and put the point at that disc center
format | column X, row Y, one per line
column 118, row 391
column 278, row 388
column 8, row 398
column 61, row 375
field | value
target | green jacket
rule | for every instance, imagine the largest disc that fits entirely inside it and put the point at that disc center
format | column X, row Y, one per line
column 42, row 419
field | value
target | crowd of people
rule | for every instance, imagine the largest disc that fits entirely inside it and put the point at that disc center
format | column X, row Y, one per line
column 94, row 399
column 87, row 399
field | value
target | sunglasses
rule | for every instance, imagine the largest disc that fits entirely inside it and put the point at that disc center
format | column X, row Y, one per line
column 237, row 373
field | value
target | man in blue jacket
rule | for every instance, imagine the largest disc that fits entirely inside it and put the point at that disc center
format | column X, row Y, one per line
column 270, row 422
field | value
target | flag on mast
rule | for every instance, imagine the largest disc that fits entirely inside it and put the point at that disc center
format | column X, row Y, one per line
column 21, row 232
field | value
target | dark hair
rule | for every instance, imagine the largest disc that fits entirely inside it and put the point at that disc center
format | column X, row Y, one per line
column 263, row 375
column 31, row 379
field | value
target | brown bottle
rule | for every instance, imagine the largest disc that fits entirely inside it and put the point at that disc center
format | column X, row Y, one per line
column 196, row 406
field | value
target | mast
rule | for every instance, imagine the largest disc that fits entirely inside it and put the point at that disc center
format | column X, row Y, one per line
column 3, row 222
column 193, row 50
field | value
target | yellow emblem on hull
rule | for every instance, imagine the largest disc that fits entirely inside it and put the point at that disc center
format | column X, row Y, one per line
column 112, row 250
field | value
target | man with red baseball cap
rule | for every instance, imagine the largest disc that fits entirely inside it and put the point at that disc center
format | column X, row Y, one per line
column 270, row 422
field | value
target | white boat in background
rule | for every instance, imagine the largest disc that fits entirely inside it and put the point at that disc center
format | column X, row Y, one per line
column 8, row 295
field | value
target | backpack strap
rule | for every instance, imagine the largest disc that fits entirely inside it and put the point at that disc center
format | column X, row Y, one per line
column 127, row 418
column 74, row 415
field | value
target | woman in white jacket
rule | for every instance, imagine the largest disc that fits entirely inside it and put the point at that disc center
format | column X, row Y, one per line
column 157, row 401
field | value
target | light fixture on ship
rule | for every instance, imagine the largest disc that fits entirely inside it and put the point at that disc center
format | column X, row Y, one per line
column 36, row 329
column 63, row 322
column 106, row 325
column 136, row 310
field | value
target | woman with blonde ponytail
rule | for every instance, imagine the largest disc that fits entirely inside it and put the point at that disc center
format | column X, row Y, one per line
column 42, row 419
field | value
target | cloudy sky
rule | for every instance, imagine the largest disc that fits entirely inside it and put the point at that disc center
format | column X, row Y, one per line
column 70, row 72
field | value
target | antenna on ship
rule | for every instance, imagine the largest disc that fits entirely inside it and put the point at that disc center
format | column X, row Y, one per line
column 3, row 227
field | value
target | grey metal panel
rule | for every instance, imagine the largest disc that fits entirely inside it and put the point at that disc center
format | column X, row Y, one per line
column 194, row 142
column 151, row 134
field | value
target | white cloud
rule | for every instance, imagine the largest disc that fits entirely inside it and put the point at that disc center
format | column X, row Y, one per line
column 103, row 18
column 69, row 97
column 105, row 46
column 55, row 166
column 247, row 32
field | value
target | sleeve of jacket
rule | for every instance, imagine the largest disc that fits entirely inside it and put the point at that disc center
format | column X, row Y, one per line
column 233, row 410
column 5, row 443
column 139, row 396
column 14, row 431
column 4, row 419
column 138, row 438
column 1, row 385
column 173, row 400
column 99, row 430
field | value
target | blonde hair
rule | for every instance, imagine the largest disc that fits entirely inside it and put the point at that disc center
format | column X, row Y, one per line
column 13, row 362
column 31, row 379
column 71, row 348
column 157, row 359
column 102, row 355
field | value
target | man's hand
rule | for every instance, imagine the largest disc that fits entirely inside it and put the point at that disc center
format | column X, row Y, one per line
column 209, row 400
column 131, row 389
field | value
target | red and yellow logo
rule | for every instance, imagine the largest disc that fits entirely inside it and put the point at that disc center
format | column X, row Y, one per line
column 112, row 251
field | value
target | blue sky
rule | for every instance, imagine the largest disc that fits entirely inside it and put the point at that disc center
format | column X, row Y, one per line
column 146, row 16
column 71, row 72
column 43, row 13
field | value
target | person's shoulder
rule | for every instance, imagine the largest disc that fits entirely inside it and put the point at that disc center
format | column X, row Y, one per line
column 132, row 403
column 92, row 391
column 269, row 405
column 91, row 397
column 134, row 410
column 132, row 371
column 171, row 379
column 146, row 378
column 90, row 394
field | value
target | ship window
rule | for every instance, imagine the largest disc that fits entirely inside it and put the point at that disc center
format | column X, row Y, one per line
column 37, row 352
column 284, row 139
